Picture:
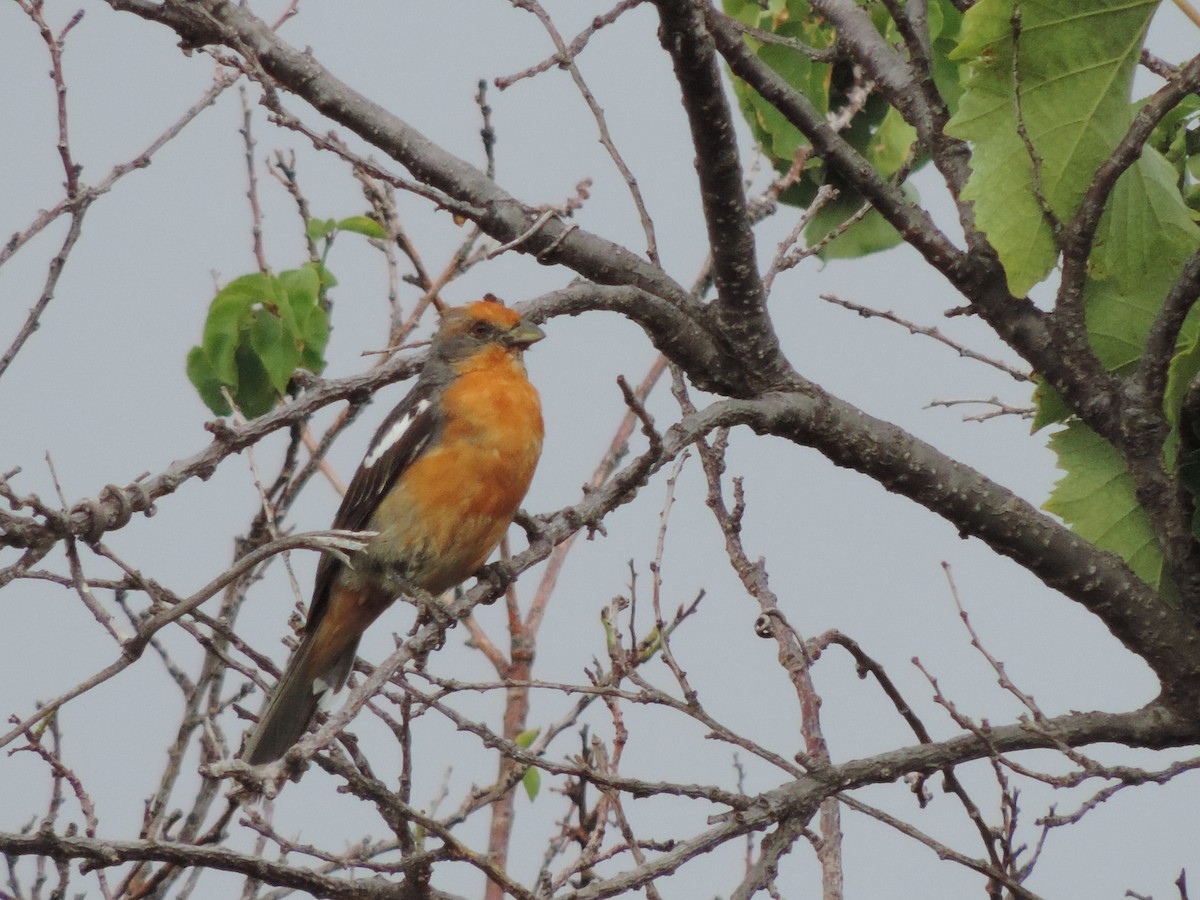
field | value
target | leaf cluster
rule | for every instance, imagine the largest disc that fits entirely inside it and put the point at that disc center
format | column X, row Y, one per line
column 260, row 328
column 1041, row 94
column 1047, row 100
column 809, row 62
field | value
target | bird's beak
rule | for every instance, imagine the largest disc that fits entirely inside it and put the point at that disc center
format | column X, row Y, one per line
column 523, row 334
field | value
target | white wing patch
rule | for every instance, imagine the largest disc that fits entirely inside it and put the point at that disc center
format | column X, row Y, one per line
column 327, row 696
column 387, row 441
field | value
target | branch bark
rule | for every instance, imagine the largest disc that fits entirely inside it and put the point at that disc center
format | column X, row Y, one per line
column 740, row 310
column 102, row 853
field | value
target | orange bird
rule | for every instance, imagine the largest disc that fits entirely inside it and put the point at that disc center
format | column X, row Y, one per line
column 440, row 485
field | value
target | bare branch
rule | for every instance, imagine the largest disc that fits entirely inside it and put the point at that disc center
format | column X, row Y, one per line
column 499, row 214
column 931, row 332
column 739, row 312
column 566, row 59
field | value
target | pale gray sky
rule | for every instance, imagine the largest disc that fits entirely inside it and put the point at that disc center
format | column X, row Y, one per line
column 101, row 386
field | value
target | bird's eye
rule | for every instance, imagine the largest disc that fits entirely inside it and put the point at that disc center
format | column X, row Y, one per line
column 481, row 329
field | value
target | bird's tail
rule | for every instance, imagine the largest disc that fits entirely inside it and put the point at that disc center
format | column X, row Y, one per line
column 293, row 703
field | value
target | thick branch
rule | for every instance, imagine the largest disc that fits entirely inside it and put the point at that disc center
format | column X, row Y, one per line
column 686, row 340
column 1153, row 368
column 1146, row 429
column 1079, row 234
column 1141, row 429
column 974, row 504
column 1069, row 366
column 100, row 853
column 1152, row 727
column 740, row 309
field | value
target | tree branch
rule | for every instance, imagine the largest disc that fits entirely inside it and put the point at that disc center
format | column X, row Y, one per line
column 799, row 799
column 1136, row 615
column 103, row 853
column 915, row 98
column 206, row 22
column 115, row 506
column 739, row 311
column 1079, row 233
column 1069, row 366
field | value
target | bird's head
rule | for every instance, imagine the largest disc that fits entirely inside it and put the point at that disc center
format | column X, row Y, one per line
column 465, row 330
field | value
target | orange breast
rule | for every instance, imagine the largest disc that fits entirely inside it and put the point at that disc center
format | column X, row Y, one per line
column 452, row 506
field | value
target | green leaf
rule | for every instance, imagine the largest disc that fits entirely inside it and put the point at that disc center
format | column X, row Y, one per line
column 532, row 779
column 275, row 301
column 246, row 290
column 302, row 285
column 1069, row 71
column 314, row 340
column 1096, row 496
column 363, row 225
column 889, row 148
column 1176, row 131
column 1118, row 321
column 275, row 348
column 870, row 234
column 255, row 395
column 1146, row 233
column 259, row 329
column 327, row 279
column 316, row 229
column 891, row 144
column 753, row 12
column 1050, row 409
column 779, row 139
column 525, row 739
column 300, row 288
column 202, row 376
column 226, row 317
column 945, row 22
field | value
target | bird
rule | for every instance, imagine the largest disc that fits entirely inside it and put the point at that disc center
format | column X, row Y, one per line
column 438, row 487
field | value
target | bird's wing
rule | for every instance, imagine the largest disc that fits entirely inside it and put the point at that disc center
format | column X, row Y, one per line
column 401, row 439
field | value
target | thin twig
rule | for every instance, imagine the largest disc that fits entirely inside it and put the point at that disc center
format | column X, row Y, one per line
column 573, row 49
column 86, row 195
column 932, row 332
column 256, row 231
column 567, row 61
